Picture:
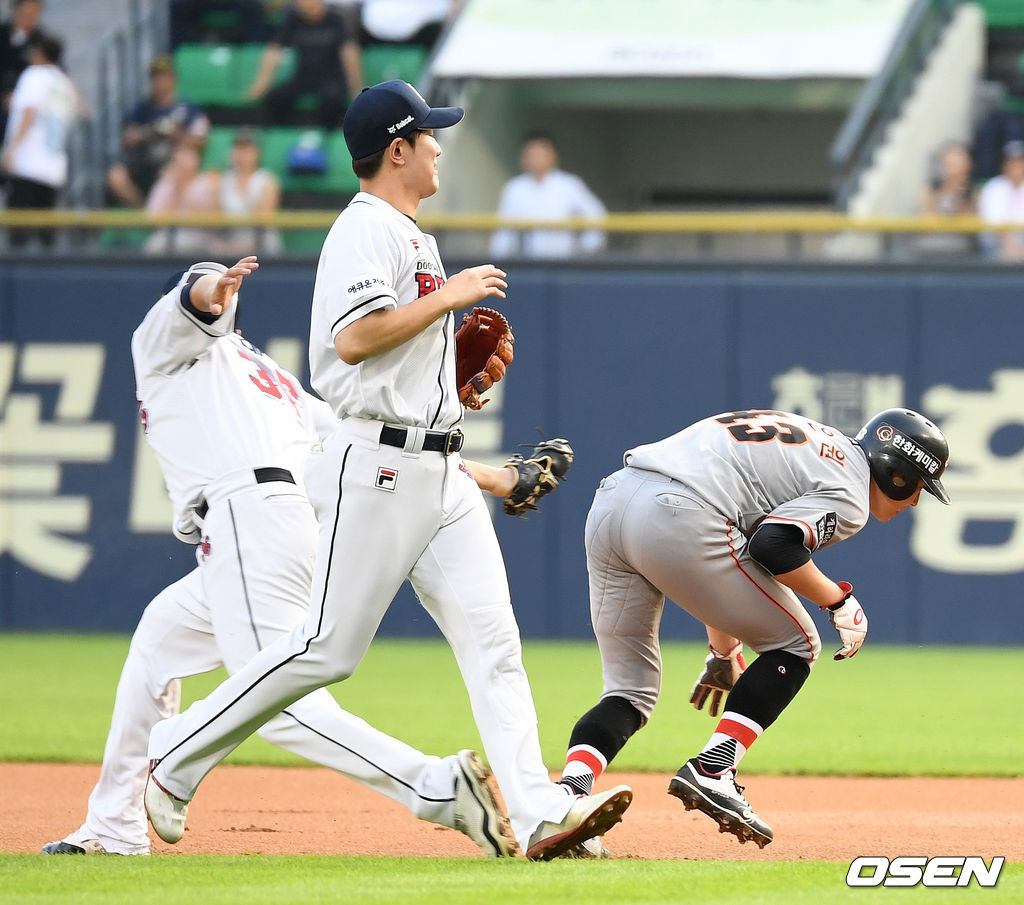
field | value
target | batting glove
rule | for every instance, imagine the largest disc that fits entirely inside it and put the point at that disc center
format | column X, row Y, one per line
column 720, row 674
column 847, row 618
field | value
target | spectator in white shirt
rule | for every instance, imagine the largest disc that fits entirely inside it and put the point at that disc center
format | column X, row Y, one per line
column 35, row 154
column 544, row 192
column 1002, row 201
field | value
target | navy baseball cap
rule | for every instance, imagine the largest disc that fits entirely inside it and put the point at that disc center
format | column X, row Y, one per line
column 388, row 111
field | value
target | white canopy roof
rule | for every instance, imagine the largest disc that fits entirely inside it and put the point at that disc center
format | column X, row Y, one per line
column 755, row 39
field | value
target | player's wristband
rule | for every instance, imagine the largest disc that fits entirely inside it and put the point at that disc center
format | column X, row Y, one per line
column 847, row 590
column 186, row 302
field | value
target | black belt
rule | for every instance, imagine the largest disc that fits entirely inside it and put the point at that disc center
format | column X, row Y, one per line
column 263, row 476
column 446, row 442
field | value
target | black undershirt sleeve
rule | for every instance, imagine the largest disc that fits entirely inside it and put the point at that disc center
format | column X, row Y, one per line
column 778, row 548
column 186, row 303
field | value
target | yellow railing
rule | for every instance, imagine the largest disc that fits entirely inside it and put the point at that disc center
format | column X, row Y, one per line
column 625, row 223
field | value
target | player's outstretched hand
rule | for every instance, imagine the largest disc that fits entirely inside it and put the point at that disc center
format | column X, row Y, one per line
column 474, row 284
column 720, row 674
column 229, row 283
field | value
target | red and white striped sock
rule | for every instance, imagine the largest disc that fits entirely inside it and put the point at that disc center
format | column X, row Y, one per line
column 733, row 735
column 583, row 766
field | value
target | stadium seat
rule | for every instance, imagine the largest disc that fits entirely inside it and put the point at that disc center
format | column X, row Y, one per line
column 217, row 152
column 249, row 56
column 276, row 145
column 1003, row 13
column 338, row 179
column 304, row 241
column 207, row 74
column 382, row 62
column 219, row 75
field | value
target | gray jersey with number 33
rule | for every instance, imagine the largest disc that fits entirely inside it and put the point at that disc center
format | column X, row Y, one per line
column 762, row 465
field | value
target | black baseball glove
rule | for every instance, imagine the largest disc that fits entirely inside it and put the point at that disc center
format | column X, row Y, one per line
column 538, row 475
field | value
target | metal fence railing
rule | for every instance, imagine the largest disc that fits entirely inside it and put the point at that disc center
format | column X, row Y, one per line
column 783, row 235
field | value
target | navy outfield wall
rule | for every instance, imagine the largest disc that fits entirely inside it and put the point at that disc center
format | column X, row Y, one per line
column 609, row 357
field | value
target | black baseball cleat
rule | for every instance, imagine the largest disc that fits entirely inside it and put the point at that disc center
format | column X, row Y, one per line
column 721, row 798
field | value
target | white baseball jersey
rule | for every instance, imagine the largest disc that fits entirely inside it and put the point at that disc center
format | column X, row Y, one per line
column 768, row 466
column 257, row 416
column 374, row 258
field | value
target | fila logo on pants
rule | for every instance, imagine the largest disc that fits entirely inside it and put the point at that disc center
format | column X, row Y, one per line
column 387, row 479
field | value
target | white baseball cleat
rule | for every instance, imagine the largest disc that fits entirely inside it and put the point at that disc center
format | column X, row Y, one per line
column 589, row 816
column 477, row 813
column 588, row 850
column 74, row 845
column 166, row 812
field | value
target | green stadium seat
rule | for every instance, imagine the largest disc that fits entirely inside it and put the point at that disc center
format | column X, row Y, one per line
column 1003, row 13
column 339, row 178
column 207, row 74
column 304, row 241
column 111, row 237
column 382, row 62
column 219, row 75
column 248, row 57
column 217, row 153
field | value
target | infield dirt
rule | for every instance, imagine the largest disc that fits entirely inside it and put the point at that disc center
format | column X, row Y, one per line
column 276, row 810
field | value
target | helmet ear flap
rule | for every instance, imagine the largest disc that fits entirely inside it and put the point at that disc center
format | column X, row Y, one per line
column 895, row 478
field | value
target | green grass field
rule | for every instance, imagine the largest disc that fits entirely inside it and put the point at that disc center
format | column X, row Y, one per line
column 890, row 711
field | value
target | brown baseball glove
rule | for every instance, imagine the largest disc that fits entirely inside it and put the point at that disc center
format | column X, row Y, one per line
column 483, row 349
column 538, row 475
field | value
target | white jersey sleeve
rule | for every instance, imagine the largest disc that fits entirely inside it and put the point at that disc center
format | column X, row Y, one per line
column 358, row 275
column 174, row 333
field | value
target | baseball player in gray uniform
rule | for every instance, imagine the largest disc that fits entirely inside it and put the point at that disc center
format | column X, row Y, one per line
column 723, row 518
column 392, row 494
column 232, row 431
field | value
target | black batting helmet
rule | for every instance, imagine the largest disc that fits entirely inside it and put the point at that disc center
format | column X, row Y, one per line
column 903, row 448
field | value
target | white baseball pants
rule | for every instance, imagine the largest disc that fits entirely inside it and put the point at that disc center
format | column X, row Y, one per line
column 387, row 514
column 250, row 589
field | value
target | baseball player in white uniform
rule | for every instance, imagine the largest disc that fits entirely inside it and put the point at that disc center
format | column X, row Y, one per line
column 232, row 431
column 392, row 494
column 722, row 518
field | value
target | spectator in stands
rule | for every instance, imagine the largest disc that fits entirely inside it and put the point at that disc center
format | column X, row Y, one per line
column 328, row 65
column 182, row 189
column 950, row 193
column 35, row 156
column 544, row 192
column 151, row 132
column 154, row 128
column 417, row 22
column 15, row 36
column 1003, row 124
column 243, row 189
column 1002, row 201
column 230, row 21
